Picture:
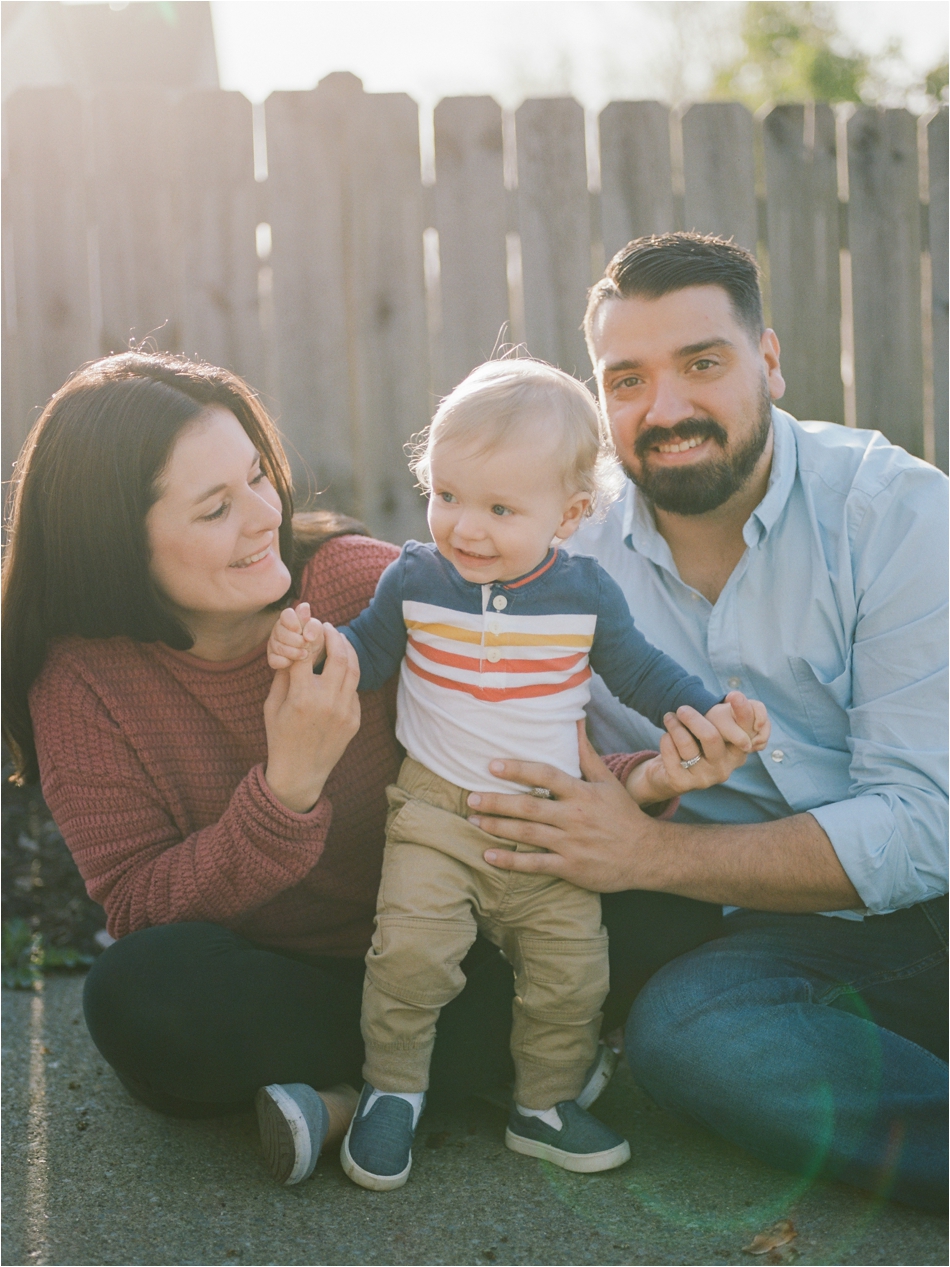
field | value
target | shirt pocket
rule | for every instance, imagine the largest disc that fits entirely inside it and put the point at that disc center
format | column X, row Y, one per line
column 826, row 698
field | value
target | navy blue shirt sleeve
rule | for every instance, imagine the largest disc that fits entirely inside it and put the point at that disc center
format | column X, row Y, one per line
column 638, row 674
column 378, row 633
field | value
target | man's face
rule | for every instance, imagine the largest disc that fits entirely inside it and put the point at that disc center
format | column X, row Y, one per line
column 687, row 390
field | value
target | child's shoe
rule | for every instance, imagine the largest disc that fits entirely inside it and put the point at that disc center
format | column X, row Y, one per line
column 598, row 1075
column 377, row 1150
column 293, row 1122
column 583, row 1143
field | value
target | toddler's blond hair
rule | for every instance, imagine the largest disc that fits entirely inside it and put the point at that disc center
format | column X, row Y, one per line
column 499, row 399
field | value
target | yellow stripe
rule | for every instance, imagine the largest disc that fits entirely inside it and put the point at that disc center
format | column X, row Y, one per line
column 455, row 634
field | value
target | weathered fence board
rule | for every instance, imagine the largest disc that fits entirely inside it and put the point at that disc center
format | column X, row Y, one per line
column 470, row 215
column 346, row 214
column 305, row 154
column 635, row 172
column 884, row 238
column 719, row 171
column 134, row 175
column 554, row 222
column 802, row 213
column 47, row 327
column 938, row 231
column 216, row 215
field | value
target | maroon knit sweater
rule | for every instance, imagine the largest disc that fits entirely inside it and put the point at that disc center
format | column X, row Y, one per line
column 152, row 763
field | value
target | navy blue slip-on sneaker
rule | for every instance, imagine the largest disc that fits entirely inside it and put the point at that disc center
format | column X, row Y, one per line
column 377, row 1150
column 293, row 1122
column 582, row 1143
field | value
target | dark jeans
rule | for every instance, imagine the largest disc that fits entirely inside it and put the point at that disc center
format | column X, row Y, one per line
column 194, row 1018
column 818, row 1044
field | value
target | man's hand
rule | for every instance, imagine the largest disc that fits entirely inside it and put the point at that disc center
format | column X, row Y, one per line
column 589, row 829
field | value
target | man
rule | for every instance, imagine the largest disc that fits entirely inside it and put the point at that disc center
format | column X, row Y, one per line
column 803, row 563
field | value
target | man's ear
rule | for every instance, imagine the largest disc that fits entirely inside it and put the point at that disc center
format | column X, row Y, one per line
column 771, row 355
column 574, row 514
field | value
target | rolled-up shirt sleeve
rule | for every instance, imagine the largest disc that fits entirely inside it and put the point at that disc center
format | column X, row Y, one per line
column 890, row 835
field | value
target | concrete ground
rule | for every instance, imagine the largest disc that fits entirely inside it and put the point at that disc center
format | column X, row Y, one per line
column 92, row 1177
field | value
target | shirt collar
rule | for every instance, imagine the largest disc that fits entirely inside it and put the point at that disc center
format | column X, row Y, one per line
column 639, row 527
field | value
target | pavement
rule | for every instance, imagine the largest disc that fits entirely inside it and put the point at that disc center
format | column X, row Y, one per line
column 92, row 1177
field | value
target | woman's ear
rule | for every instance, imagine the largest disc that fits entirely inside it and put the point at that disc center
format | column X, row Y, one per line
column 574, row 513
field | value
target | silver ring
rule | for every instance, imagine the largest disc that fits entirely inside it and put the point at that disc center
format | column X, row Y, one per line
column 688, row 765
column 542, row 793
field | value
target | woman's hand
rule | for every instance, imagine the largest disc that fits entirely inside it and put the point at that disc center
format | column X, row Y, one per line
column 310, row 720
column 688, row 735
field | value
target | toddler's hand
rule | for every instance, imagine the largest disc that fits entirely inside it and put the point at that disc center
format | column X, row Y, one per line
column 296, row 636
column 742, row 722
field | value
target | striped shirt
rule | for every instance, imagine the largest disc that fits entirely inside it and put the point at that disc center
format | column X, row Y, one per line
column 503, row 670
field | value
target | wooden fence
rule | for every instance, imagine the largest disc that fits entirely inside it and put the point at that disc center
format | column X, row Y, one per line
column 302, row 245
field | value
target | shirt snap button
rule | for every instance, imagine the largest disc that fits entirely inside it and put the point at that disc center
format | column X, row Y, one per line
column 494, row 626
column 735, row 682
column 499, row 602
column 494, row 655
column 778, row 755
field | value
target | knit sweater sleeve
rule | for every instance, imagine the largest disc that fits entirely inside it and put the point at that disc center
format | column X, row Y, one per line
column 122, row 832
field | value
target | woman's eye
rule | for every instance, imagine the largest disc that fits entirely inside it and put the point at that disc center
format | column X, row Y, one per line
column 256, row 479
column 500, row 510
column 217, row 514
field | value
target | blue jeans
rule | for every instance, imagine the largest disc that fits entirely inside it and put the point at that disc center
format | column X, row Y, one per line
column 813, row 1042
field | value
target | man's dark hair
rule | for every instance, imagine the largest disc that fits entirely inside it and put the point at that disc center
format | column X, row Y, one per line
column 655, row 266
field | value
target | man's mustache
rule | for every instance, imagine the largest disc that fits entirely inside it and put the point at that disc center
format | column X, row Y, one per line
column 688, row 429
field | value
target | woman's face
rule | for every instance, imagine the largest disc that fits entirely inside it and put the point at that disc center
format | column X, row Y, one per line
column 213, row 531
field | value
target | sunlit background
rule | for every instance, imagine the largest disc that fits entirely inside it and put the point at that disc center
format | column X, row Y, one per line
column 596, row 50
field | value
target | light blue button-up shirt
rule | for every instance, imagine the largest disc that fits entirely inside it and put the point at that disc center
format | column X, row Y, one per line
column 835, row 617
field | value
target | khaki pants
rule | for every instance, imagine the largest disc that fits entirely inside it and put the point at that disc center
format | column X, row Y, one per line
column 436, row 892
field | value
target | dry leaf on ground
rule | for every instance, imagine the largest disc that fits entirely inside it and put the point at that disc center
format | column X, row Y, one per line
column 769, row 1241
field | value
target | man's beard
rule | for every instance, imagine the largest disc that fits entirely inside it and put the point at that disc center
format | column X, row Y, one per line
column 704, row 486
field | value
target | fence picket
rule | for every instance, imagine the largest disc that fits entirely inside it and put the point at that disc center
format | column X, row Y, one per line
column 802, row 204
column 47, row 329
column 470, row 217
column 216, row 217
column 719, row 171
column 635, row 172
column 345, row 203
column 937, row 212
column 134, row 206
column 884, row 237
column 554, row 222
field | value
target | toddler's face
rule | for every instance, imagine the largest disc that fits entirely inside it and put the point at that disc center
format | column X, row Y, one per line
column 494, row 514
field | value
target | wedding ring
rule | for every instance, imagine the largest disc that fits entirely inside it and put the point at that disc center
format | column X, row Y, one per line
column 688, row 765
column 542, row 793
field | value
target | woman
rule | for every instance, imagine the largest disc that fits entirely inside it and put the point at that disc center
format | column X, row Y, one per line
column 228, row 819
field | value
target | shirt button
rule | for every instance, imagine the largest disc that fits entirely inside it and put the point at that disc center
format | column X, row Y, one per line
column 494, row 626
column 735, row 682
column 499, row 602
column 778, row 756
column 493, row 654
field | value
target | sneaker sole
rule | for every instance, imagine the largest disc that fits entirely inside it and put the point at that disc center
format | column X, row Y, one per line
column 582, row 1163
column 365, row 1179
column 604, row 1070
column 285, row 1135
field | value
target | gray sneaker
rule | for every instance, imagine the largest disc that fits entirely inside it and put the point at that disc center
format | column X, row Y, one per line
column 582, row 1143
column 293, row 1121
column 377, row 1151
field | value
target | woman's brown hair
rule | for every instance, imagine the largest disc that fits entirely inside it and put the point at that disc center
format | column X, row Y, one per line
column 77, row 558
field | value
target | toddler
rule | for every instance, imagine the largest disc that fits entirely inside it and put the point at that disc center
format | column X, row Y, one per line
column 495, row 632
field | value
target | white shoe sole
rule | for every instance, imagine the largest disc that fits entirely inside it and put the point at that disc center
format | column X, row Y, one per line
column 582, row 1163
column 603, row 1071
column 284, row 1132
column 365, row 1179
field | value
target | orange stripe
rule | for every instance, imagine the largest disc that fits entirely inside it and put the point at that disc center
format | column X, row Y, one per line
column 505, row 665
column 498, row 694
column 534, row 575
